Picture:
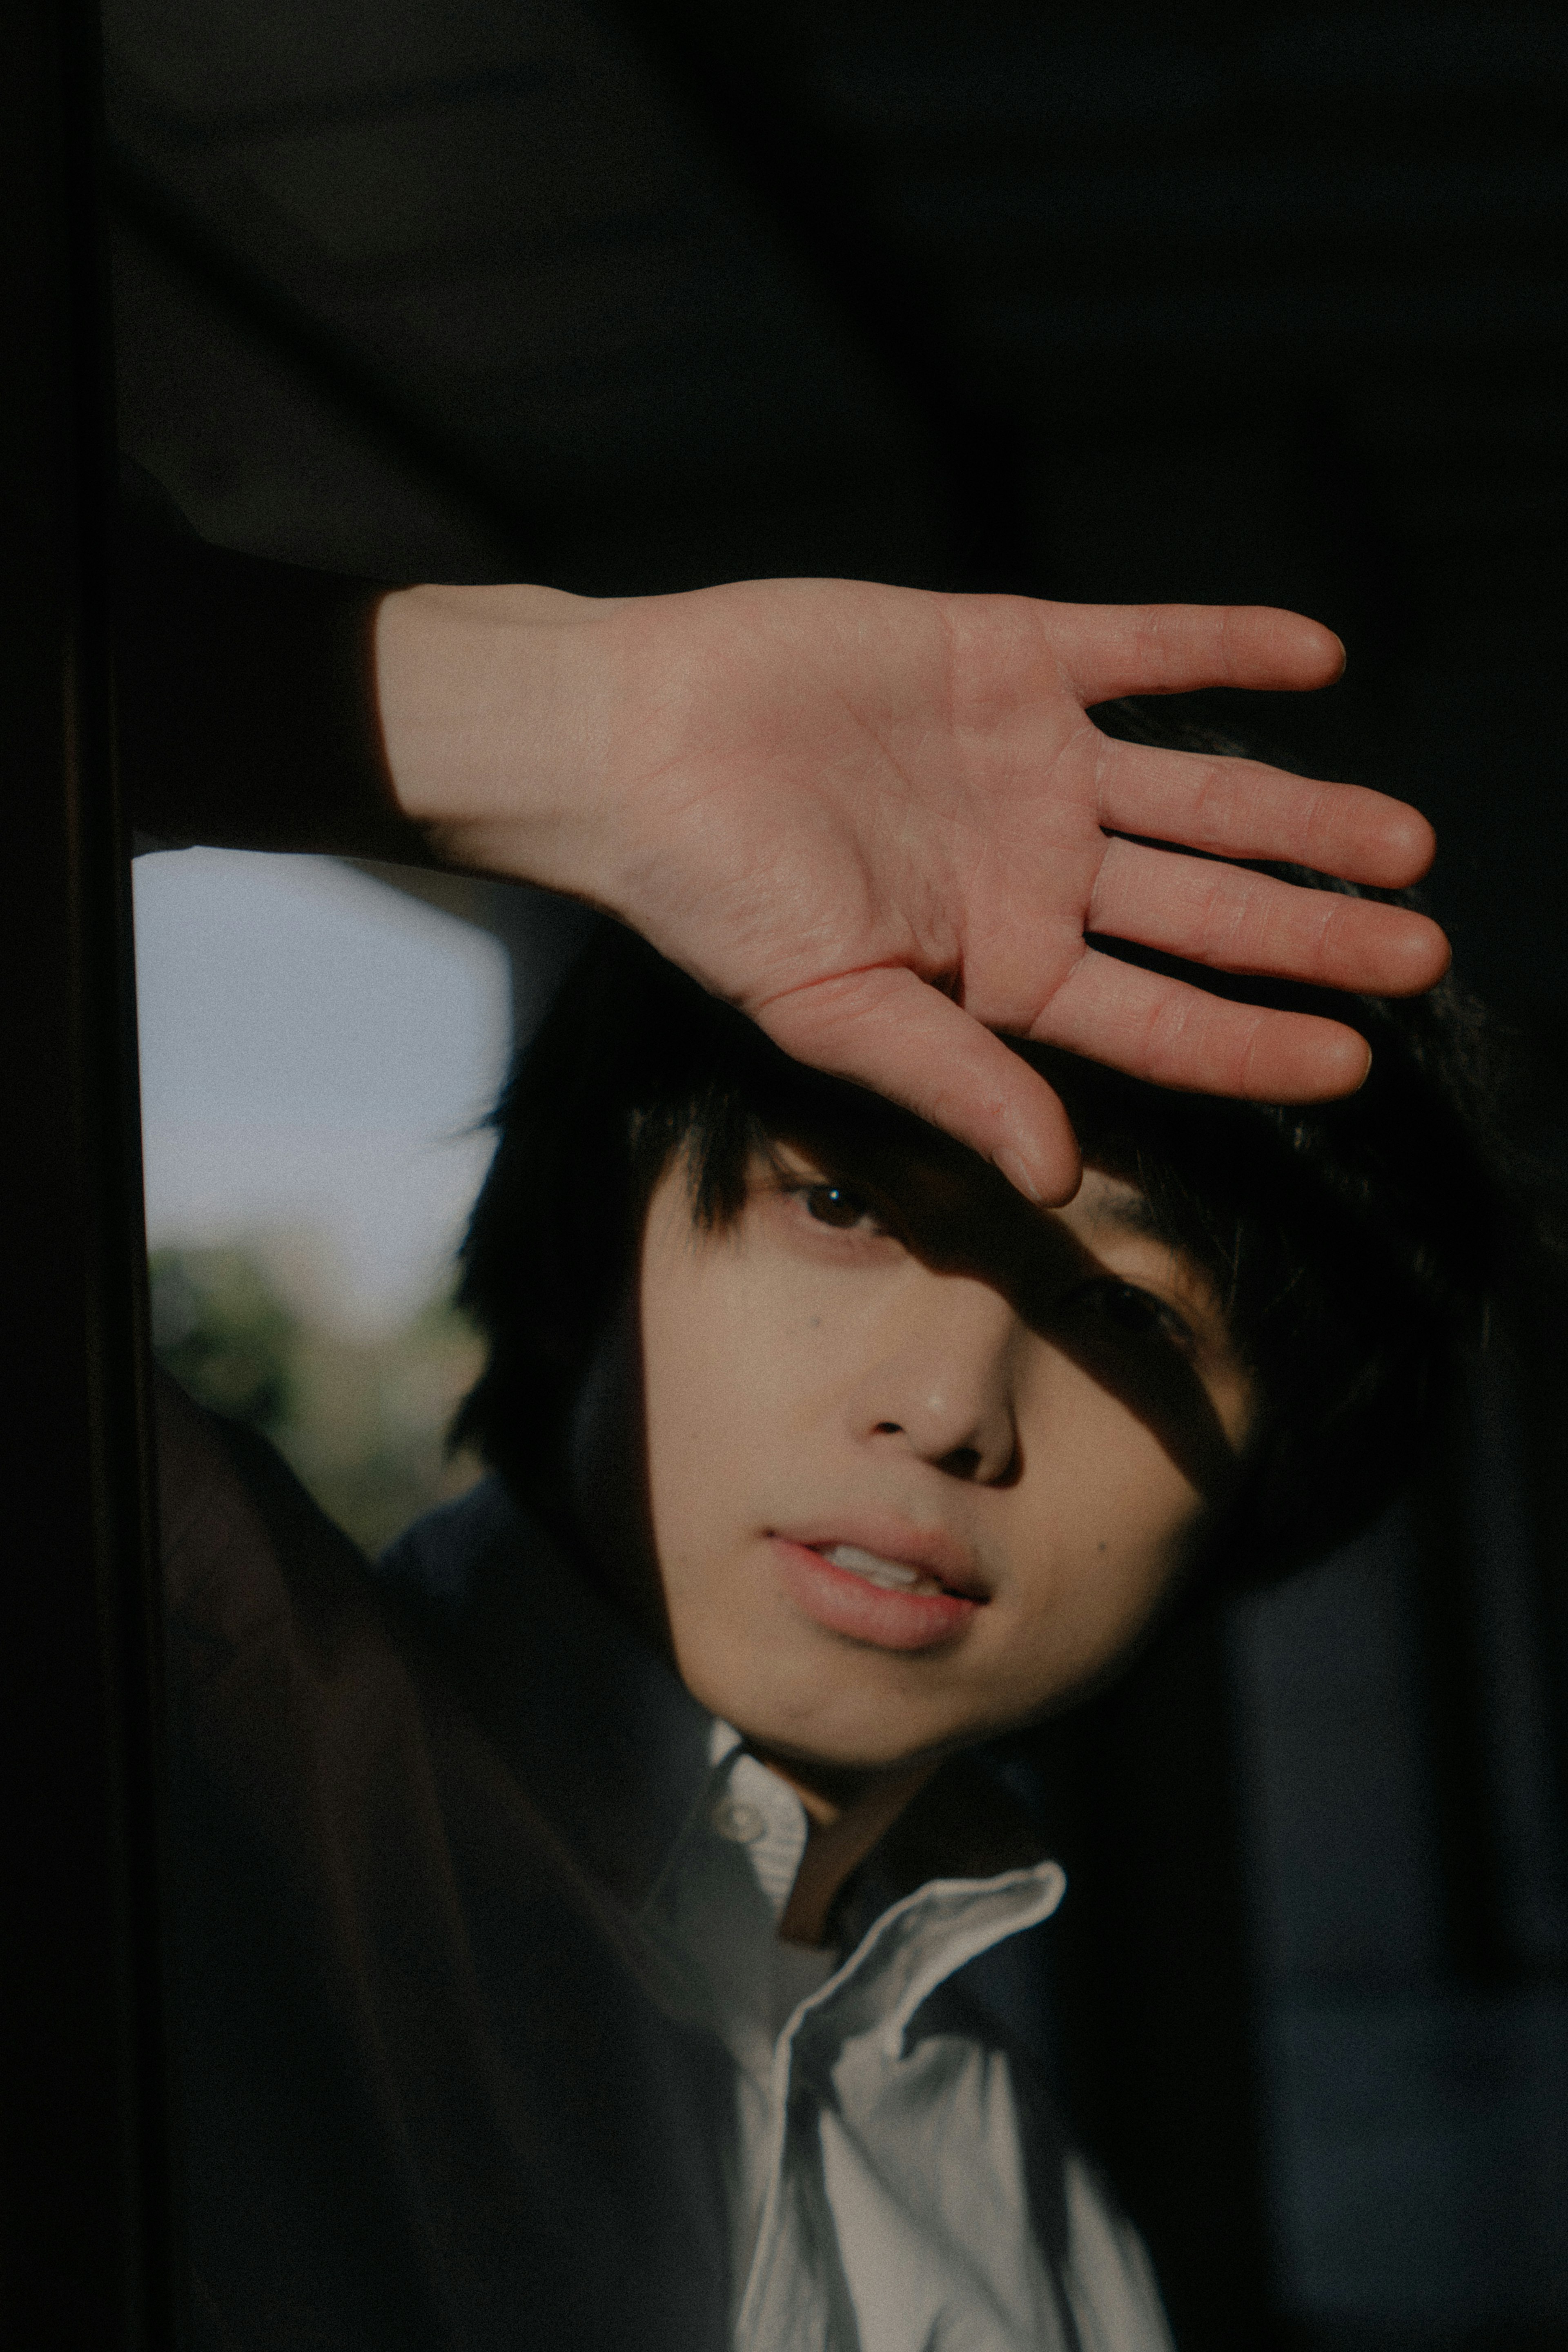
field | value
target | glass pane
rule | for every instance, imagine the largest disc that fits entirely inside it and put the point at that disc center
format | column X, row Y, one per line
column 1077, row 305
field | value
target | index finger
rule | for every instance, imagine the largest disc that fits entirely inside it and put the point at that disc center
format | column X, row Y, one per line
column 1107, row 650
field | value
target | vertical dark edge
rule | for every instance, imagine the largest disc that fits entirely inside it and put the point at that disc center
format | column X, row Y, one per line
column 86, row 2205
column 1444, row 1503
column 1542, row 1405
column 1155, row 1975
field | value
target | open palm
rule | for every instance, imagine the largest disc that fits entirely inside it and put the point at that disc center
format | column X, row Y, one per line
column 881, row 822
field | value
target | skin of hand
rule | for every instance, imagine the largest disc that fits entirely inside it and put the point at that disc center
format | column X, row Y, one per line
column 881, row 822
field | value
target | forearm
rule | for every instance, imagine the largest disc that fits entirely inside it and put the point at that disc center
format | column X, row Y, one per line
column 497, row 728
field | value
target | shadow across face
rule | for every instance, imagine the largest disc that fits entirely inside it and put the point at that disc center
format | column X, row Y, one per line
column 1153, row 1347
column 1148, row 1344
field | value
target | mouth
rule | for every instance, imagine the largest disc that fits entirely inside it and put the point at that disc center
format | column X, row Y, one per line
column 911, row 1592
column 887, row 1575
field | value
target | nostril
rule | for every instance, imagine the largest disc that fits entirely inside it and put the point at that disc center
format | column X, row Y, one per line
column 889, row 1429
column 964, row 1462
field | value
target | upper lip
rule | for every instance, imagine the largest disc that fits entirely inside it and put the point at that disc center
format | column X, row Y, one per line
column 892, row 1537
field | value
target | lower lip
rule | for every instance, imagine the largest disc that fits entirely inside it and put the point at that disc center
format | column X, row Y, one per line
column 845, row 1603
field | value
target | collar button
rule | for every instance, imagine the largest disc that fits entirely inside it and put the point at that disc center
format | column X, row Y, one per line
column 741, row 1823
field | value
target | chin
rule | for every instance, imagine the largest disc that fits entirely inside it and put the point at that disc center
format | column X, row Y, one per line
column 817, row 1701
column 848, row 1738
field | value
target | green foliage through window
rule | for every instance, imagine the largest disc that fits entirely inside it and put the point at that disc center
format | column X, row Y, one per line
column 362, row 1421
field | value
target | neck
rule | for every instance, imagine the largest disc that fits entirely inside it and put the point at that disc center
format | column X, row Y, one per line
column 846, row 1814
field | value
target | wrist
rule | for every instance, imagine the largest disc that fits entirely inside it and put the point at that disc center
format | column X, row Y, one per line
column 494, row 712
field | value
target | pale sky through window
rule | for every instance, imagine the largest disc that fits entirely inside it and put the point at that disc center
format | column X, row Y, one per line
column 316, row 1050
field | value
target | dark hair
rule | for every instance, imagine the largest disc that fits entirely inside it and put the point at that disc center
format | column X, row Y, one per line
column 1352, row 1243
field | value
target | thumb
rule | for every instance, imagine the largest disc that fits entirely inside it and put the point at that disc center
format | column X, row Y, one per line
column 887, row 1029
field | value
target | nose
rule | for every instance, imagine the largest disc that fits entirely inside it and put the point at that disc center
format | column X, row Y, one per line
column 941, row 1385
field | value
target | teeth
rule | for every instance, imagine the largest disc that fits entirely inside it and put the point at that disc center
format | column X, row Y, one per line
column 892, row 1575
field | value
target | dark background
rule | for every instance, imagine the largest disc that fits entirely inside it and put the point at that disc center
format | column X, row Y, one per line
column 1250, row 304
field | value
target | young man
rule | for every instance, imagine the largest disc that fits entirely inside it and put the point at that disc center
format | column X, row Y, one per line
column 448, row 2081
column 583, row 1926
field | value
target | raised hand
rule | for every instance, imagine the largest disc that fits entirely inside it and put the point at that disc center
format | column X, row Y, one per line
column 881, row 822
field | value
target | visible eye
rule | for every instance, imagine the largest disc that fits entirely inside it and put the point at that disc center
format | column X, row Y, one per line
column 836, row 1206
column 1135, row 1313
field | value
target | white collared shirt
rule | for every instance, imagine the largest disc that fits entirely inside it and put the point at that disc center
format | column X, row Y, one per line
column 881, row 2171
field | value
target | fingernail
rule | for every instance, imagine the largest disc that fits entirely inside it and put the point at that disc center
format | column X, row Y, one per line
column 1021, row 1176
column 1042, row 1191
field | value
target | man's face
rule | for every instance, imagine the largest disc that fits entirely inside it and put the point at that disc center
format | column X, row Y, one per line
column 907, row 1461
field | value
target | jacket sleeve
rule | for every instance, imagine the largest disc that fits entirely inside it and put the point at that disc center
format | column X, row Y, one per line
column 246, row 696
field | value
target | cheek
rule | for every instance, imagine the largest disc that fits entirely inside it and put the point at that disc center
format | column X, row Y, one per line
column 677, row 1402
column 746, row 1349
column 1106, row 1460
column 1109, row 1526
column 722, row 1375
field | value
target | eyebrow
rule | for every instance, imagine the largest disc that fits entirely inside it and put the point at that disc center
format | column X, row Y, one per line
column 1129, row 1210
